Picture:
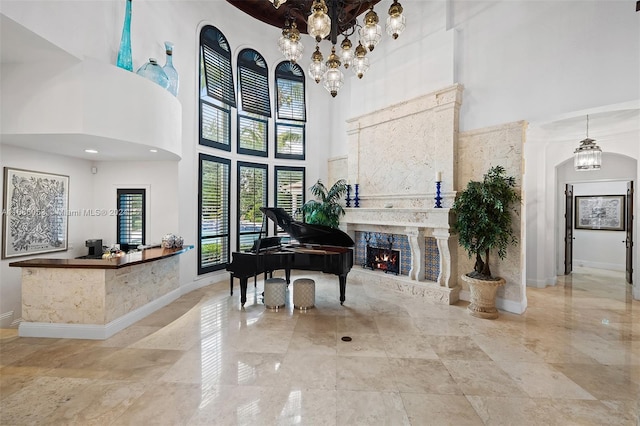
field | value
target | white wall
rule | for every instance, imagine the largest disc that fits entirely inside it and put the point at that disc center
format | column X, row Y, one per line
column 596, row 248
column 518, row 60
column 81, row 195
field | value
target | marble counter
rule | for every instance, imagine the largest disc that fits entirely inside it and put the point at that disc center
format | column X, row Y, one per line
column 96, row 298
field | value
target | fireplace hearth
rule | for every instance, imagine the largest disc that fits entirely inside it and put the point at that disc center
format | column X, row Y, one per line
column 380, row 253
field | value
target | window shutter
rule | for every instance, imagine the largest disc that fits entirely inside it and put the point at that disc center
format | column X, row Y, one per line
column 289, row 141
column 131, row 216
column 254, row 83
column 216, row 55
column 252, row 194
column 291, row 92
column 214, row 213
column 290, row 188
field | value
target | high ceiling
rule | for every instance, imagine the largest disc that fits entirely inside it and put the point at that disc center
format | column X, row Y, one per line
column 298, row 11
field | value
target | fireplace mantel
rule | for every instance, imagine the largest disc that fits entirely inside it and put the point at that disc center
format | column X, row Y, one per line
column 399, row 218
column 416, row 224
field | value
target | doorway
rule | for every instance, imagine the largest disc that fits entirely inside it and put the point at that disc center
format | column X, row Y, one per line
column 599, row 226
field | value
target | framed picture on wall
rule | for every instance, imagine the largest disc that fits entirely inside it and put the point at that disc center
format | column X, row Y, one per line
column 35, row 206
column 600, row 212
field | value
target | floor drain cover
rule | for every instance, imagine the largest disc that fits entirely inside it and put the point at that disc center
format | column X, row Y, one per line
column 346, row 338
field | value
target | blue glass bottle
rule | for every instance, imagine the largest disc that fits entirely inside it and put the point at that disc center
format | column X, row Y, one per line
column 170, row 70
column 124, row 60
column 152, row 71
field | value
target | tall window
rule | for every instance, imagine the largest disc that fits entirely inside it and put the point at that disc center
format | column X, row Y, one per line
column 131, row 218
column 252, row 194
column 255, row 103
column 289, row 189
column 217, row 94
column 213, row 218
column 291, row 111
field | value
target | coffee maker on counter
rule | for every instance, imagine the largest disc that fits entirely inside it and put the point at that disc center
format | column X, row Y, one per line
column 95, row 248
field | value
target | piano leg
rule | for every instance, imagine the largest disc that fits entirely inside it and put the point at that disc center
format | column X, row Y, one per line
column 231, row 284
column 243, row 291
column 287, row 275
column 343, row 286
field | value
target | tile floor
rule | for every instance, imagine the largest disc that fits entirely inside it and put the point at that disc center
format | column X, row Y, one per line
column 572, row 359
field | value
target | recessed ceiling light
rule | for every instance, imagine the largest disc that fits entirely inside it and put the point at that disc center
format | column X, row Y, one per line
column 91, row 151
column 153, row 150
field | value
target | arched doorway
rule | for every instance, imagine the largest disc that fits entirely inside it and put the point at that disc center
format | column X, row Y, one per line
column 549, row 166
column 592, row 245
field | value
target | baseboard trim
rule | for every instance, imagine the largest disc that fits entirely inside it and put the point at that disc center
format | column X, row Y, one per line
column 95, row 331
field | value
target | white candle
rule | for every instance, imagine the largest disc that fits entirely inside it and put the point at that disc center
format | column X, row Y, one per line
column 438, row 176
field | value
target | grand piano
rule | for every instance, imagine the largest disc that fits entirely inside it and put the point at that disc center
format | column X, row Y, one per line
column 318, row 248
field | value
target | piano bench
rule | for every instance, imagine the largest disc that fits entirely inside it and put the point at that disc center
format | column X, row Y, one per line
column 304, row 293
column 275, row 293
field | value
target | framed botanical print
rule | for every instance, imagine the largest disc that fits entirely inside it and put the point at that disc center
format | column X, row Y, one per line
column 34, row 219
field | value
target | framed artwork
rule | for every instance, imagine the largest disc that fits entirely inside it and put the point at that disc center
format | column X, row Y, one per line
column 600, row 212
column 34, row 218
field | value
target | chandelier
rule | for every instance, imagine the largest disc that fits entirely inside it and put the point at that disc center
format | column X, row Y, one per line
column 328, row 19
column 588, row 156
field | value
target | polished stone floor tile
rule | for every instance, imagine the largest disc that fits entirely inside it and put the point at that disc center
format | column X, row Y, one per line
column 440, row 410
column 572, row 359
column 370, row 408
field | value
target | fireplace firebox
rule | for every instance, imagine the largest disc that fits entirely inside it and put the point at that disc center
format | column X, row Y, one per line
column 380, row 253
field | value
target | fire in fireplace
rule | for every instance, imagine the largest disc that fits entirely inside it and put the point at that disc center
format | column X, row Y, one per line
column 380, row 253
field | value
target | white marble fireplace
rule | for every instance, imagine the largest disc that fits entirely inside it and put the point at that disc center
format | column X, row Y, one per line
column 394, row 156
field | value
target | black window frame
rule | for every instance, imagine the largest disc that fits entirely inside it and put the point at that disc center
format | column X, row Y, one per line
column 288, row 155
column 123, row 211
column 225, row 255
column 218, row 98
column 253, row 79
column 276, row 192
column 251, row 165
column 286, row 70
column 240, row 129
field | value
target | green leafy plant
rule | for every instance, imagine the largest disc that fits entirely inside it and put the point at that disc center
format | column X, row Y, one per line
column 483, row 218
column 326, row 209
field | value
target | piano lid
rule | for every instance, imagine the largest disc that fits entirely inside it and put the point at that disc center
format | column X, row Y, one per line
column 306, row 233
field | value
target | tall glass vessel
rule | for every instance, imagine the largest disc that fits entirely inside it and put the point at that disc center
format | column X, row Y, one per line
column 170, row 70
column 124, row 54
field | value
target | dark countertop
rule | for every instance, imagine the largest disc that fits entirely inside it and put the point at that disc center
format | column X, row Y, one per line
column 148, row 255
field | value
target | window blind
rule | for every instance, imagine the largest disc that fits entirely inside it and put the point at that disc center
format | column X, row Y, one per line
column 216, row 56
column 290, row 141
column 252, row 136
column 213, row 201
column 131, row 217
column 252, row 194
column 215, row 126
column 289, row 188
column 290, row 87
column 254, row 83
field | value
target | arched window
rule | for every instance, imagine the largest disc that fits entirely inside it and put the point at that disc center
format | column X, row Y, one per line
column 290, row 85
column 291, row 111
column 255, row 103
column 217, row 94
column 254, row 83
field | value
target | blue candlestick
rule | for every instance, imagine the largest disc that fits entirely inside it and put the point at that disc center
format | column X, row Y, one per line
column 356, row 199
column 348, row 199
column 438, row 197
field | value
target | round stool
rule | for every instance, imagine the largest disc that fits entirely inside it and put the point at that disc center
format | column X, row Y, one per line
column 275, row 293
column 304, row 293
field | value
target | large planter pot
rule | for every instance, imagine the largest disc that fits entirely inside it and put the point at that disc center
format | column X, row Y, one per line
column 483, row 296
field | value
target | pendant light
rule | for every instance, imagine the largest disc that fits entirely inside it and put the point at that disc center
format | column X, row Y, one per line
column 588, row 156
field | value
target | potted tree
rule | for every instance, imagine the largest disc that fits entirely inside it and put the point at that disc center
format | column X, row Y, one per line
column 483, row 223
column 326, row 209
